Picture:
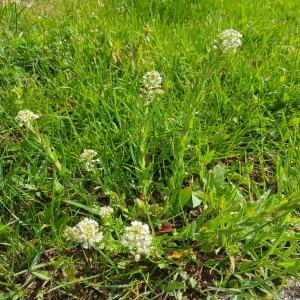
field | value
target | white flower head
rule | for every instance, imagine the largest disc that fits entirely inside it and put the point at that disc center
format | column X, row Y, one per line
column 105, row 211
column 70, row 233
column 228, row 41
column 86, row 232
column 26, row 117
column 137, row 238
column 88, row 159
column 152, row 84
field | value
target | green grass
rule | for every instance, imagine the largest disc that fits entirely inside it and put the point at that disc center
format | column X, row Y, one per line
column 224, row 137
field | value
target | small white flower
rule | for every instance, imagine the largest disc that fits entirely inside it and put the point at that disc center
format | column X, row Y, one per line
column 151, row 84
column 85, row 232
column 137, row 238
column 71, row 233
column 105, row 211
column 152, row 80
column 88, row 233
column 228, row 41
column 87, row 158
column 88, row 155
column 26, row 117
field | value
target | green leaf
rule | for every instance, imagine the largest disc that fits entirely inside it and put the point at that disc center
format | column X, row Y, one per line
column 79, row 205
column 42, row 274
column 172, row 286
column 193, row 282
column 184, row 197
column 218, row 176
column 195, row 200
column 264, row 196
column 295, row 122
column 292, row 265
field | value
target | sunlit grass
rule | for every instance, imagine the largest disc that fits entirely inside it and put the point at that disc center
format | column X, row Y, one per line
column 209, row 161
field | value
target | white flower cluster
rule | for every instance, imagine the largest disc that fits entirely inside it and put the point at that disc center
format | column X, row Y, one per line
column 87, row 158
column 85, row 232
column 26, row 117
column 228, row 41
column 138, row 239
column 151, row 84
column 105, row 211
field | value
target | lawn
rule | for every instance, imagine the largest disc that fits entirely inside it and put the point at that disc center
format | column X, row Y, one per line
column 146, row 152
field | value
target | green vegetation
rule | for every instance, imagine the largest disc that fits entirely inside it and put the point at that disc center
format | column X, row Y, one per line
column 211, row 163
